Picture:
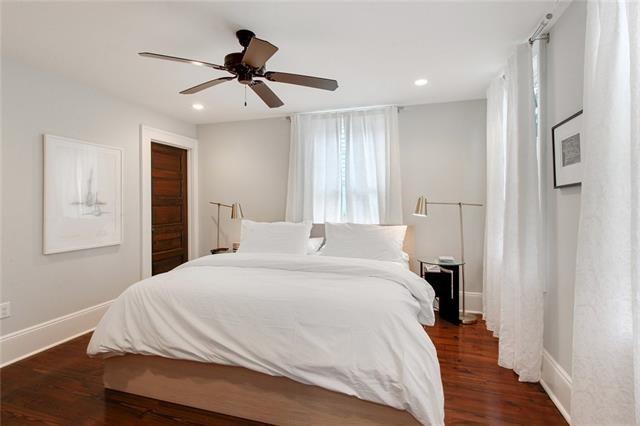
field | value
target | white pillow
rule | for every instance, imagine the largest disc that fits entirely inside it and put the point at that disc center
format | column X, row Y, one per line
column 276, row 237
column 314, row 245
column 364, row 241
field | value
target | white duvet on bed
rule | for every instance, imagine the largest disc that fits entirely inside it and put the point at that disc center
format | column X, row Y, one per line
column 348, row 325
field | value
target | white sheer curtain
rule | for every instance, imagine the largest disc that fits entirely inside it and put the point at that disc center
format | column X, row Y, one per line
column 344, row 167
column 606, row 336
column 494, row 217
column 514, row 253
column 315, row 178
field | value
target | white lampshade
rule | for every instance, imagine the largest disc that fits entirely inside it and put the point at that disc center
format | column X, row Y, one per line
column 236, row 211
column 421, row 206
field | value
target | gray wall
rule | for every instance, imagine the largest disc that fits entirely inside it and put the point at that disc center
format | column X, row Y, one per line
column 244, row 161
column 34, row 102
column 565, row 68
column 443, row 154
column 442, row 149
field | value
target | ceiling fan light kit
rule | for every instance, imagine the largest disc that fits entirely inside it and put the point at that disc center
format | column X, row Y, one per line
column 248, row 65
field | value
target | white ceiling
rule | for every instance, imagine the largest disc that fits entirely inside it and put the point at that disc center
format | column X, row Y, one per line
column 375, row 50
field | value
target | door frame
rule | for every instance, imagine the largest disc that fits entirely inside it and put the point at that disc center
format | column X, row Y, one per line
column 148, row 135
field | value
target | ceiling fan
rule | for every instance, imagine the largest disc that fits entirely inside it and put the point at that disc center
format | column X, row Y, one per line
column 248, row 65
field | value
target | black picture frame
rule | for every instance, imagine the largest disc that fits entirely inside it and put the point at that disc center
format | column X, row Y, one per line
column 553, row 151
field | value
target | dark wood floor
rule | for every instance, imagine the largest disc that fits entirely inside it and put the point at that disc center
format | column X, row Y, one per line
column 63, row 387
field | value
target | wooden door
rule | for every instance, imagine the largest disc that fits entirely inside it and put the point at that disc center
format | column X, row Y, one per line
column 169, row 208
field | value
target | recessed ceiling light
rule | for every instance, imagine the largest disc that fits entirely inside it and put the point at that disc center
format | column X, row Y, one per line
column 197, row 63
column 421, row 82
column 197, row 107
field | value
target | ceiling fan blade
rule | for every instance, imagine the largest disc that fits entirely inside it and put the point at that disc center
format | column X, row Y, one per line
column 258, row 52
column 205, row 85
column 301, row 80
column 266, row 94
column 176, row 59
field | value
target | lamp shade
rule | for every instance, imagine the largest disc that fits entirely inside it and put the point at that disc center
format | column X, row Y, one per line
column 421, row 206
column 236, row 211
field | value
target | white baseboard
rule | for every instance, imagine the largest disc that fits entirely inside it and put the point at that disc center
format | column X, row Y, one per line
column 557, row 383
column 473, row 301
column 31, row 340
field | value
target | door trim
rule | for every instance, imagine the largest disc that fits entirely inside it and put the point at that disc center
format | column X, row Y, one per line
column 148, row 135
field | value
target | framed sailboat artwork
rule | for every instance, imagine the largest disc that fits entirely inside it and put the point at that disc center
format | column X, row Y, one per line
column 82, row 195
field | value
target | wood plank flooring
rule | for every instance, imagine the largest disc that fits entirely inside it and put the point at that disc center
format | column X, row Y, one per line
column 62, row 386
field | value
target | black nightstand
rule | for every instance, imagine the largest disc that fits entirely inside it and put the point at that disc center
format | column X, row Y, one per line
column 222, row 250
column 446, row 284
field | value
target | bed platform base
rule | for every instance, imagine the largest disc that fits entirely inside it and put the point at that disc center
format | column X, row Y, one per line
column 243, row 393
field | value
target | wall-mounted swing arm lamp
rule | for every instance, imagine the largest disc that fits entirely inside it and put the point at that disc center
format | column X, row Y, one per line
column 422, row 210
column 236, row 213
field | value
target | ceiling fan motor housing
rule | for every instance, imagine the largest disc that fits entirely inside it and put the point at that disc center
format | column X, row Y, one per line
column 233, row 63
column 245, row 77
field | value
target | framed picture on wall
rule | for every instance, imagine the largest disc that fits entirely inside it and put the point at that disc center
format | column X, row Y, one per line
column 566, row 139
column 82, row 195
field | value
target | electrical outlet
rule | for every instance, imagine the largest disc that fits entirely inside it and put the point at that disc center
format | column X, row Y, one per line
column 5, row 310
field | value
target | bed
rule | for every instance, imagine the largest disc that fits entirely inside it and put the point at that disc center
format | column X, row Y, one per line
column 279, row 338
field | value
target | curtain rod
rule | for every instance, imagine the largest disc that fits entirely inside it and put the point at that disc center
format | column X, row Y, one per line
column 361, row 108
column 537, row 34
column 400, row 108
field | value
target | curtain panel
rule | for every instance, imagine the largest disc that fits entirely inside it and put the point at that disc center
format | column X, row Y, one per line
column 344, row 167
column 494, row 217
column 606, row 325
column 514, row 229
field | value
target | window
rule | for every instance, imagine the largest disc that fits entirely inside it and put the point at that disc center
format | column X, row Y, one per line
column 536, row 58
column 344, row 167
column 342, row 154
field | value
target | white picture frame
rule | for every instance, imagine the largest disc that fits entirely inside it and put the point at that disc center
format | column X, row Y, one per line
column 82, row 206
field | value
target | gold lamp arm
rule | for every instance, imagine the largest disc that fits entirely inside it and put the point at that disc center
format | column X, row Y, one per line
column 219, row 204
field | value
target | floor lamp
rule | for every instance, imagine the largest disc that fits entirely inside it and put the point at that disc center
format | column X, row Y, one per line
column 421, row 210
column 236, row 213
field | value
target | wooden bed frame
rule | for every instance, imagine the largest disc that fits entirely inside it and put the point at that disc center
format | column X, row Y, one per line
column 243, row 393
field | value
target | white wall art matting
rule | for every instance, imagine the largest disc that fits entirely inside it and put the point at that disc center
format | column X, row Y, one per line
column 82, row 195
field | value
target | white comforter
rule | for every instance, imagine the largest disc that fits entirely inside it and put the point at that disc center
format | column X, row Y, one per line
column 348, row 325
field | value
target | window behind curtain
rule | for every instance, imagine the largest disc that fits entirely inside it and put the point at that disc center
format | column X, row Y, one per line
column 343, row 167
column 342, row 152
column 537, row 61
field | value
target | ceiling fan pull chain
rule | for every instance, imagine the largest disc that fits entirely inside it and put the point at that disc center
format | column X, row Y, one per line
column 245, row 95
